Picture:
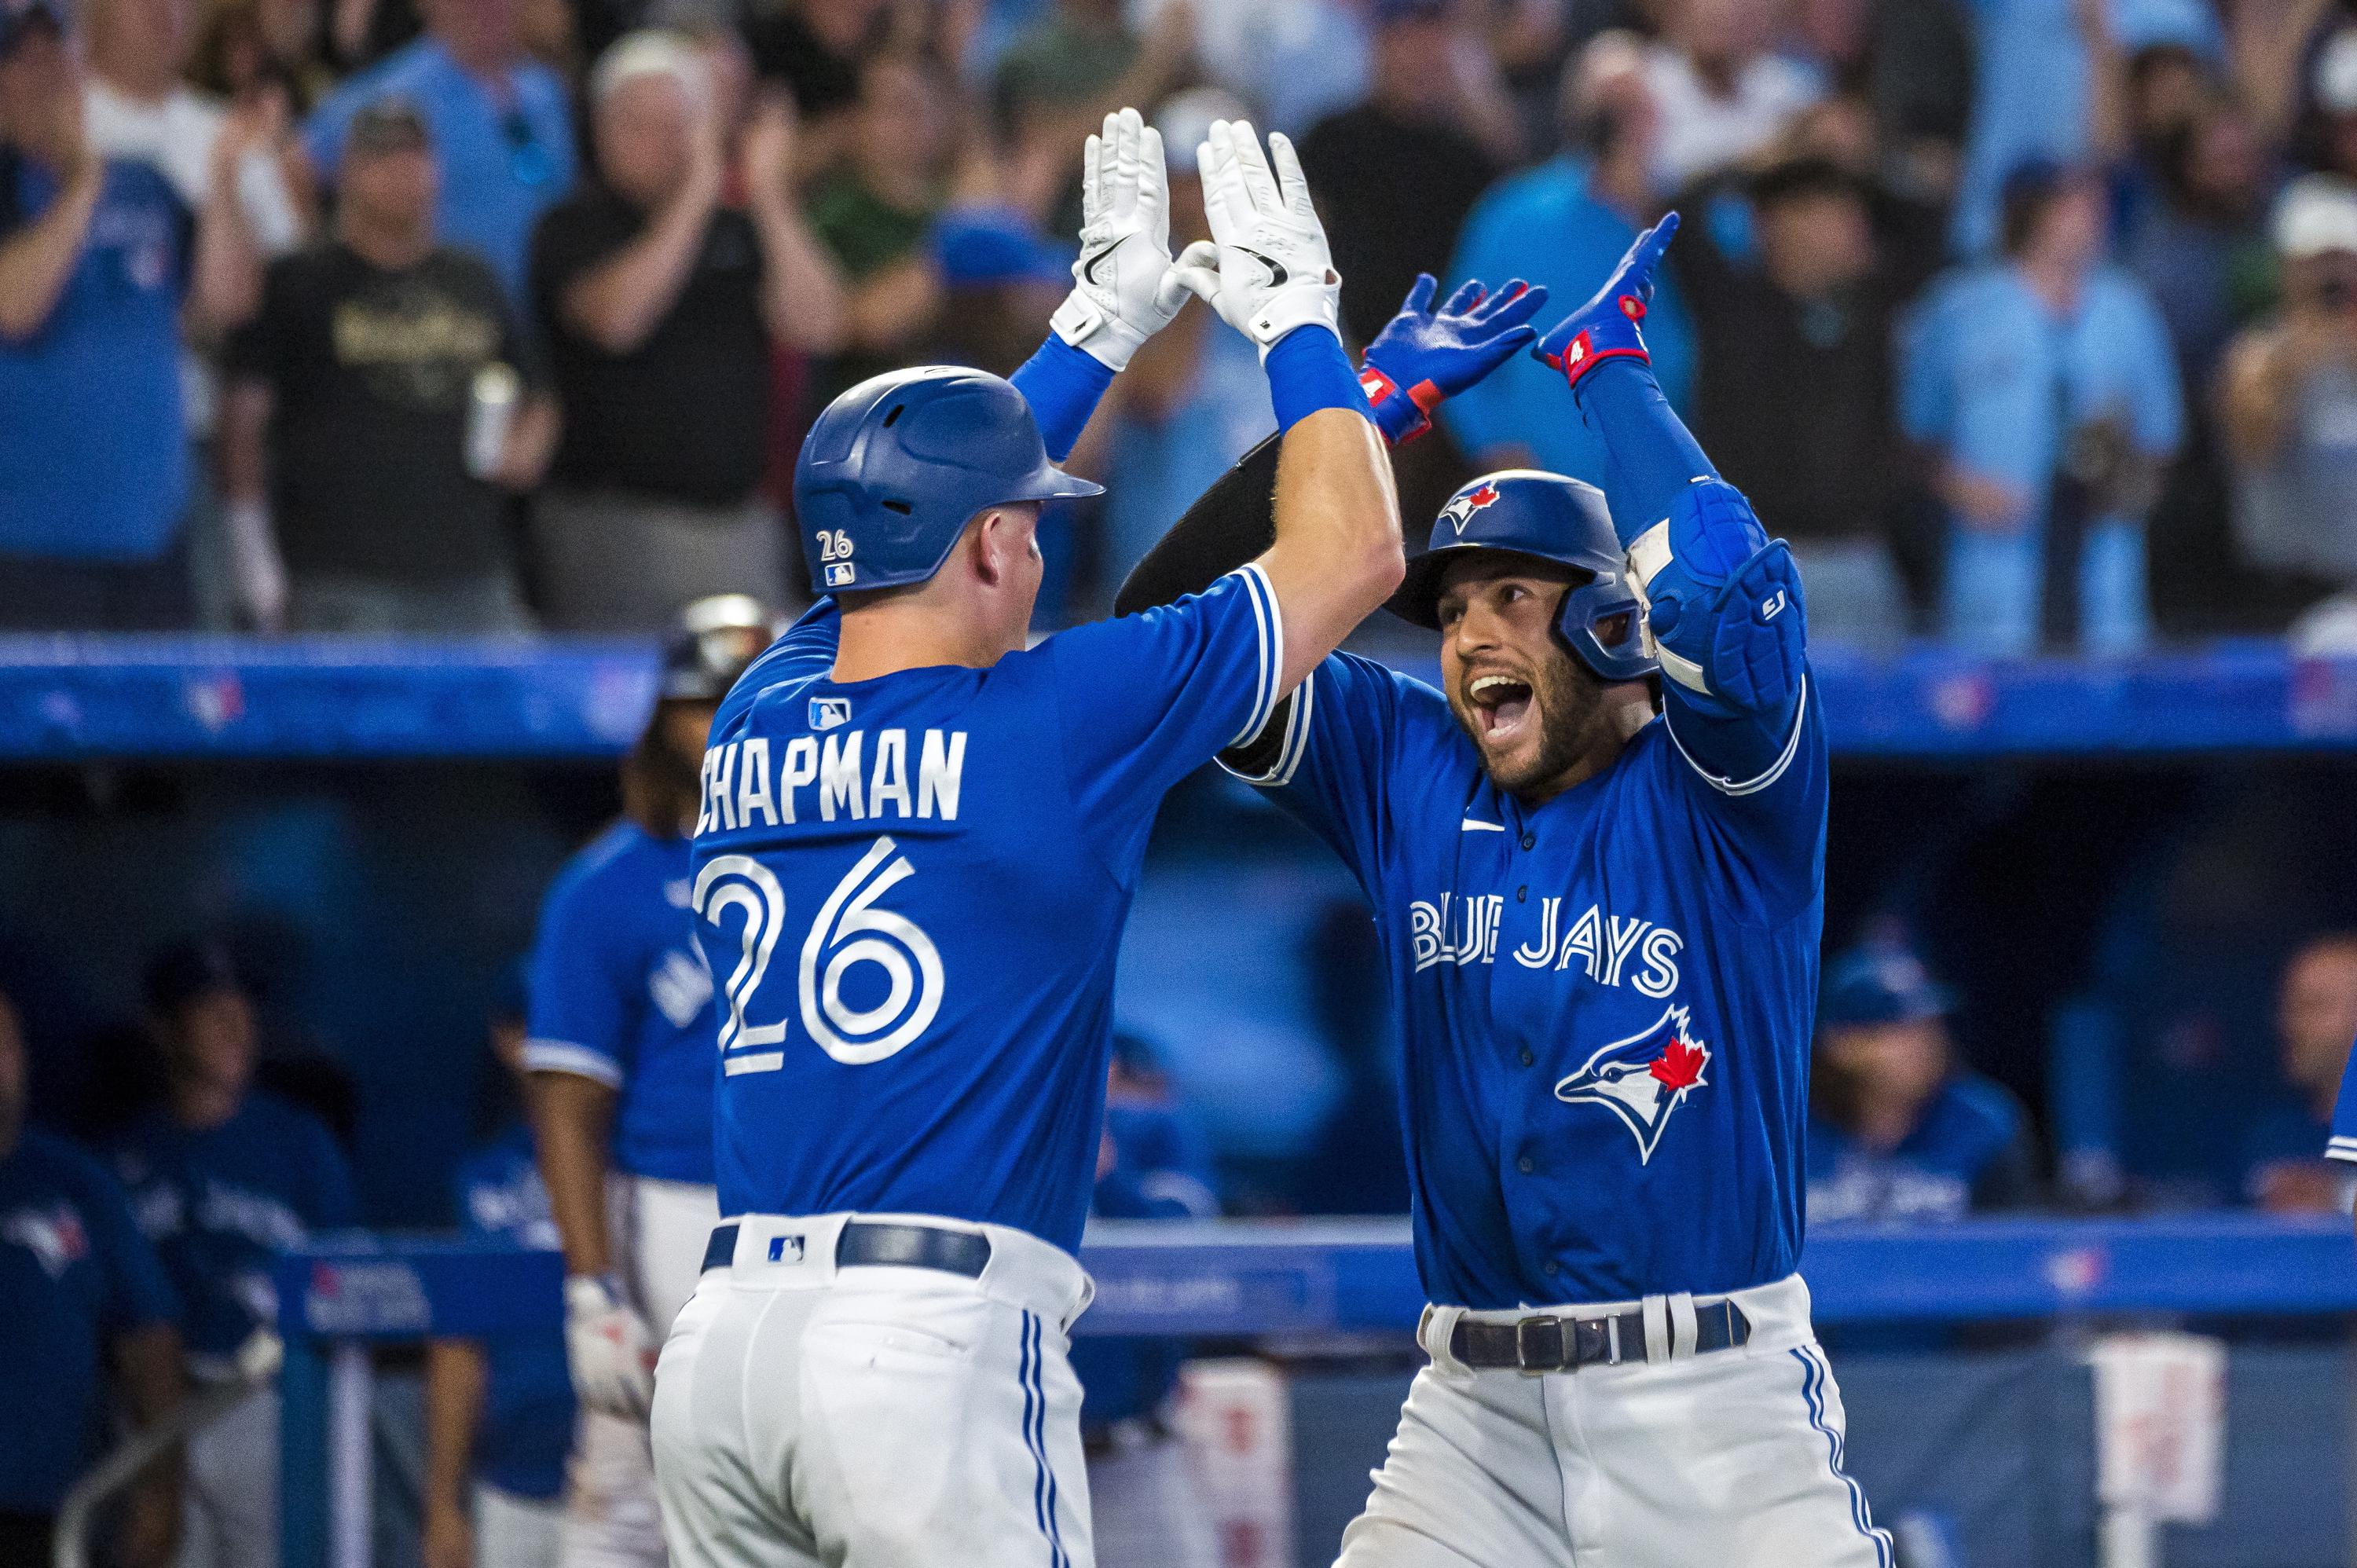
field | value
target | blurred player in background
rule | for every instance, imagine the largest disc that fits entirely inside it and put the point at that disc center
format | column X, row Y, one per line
column 1601, row 923
column 223, row 1177
column 1153, row 1164
column 1896, row 1129
column 2316, row 1021
column 500, row 1412
column 620, row 1053
column 82, row 1295
column 920, row 843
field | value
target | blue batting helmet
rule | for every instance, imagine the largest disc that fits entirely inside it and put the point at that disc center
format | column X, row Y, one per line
column 896, row 466
column 1548, row 518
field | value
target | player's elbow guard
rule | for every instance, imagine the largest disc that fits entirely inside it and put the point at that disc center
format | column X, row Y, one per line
column 1723, row 606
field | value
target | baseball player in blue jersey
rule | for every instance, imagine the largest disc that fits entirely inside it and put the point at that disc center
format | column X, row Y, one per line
column 620, row 1049
column 1601, row 921
column 918, row 849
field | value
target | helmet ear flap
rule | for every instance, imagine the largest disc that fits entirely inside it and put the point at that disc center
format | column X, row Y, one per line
column 1603, row 624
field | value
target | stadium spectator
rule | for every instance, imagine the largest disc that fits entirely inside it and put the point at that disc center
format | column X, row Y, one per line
column 1057, row 81
column 660, row 297
column 500, row 124
column 2284, row 1167
column 1812, row 314
column 1909, row 63
column 246, row 48
column 1356, row 1163
column 500, row 1412
column 1721, row 90
column 2199, row 244
column 1896, row 1129
column 1296, row 63
column 1396, row 174
column 1563, row 224
column 1194, row 399
column 2045, row 391
column 88, row 1312
column 1152, row 1164
column 222, row 1177
column 378, row 407
column 95, row 267
column 876, row 213
column 814, row 48
column 2287, row 401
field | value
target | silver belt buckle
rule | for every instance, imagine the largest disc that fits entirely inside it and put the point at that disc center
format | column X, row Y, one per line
column 1523, row 1363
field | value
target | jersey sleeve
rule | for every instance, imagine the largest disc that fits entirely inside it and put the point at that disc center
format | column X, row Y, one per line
column 1756, row 787
column 577, row 1016
column 1145, row 700
column 1327, row 756
column 139, row 1293
column 2342, row 1142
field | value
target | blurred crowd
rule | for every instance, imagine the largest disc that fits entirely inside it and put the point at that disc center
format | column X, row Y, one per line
column 2031, row 323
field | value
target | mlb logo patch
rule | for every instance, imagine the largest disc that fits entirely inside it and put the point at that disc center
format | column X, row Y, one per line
column 785, row 1248
column 839, row 574
column 830, row 713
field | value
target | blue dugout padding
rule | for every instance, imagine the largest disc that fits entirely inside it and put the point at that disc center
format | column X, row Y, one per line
column 1244, row 1279
column 68, row 698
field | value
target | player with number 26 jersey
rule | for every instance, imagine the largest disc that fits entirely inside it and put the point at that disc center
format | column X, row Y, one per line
column 917, row 837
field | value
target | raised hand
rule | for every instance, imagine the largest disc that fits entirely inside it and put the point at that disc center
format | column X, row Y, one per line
column 1124, row 286
column 1608, row 325
column 1423, row 356
column 1275, row 271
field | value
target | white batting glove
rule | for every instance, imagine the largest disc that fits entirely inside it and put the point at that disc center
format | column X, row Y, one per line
column 607, row 1348
column 1125, row 286
column 1276, row 273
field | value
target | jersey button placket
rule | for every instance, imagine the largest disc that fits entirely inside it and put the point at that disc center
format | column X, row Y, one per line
column 1528, row 1056
column 1526, row 1164
column 1530, row 840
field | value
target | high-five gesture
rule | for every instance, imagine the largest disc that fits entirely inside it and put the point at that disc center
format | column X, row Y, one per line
column 1125, row 287
column 1275, row 271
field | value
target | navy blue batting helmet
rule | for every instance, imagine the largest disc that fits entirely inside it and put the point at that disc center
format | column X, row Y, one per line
column 896, row 466
column 1549, row 517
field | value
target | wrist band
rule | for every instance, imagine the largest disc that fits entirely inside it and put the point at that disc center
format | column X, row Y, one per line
column 1401, row 414
column 1062, row 385
column 1308, row 372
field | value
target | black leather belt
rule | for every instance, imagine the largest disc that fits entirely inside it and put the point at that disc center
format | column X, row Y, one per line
column 874, row 1244
column 1549, row 1344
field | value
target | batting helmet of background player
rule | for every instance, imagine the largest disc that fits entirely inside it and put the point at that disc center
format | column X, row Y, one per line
column 1548, row 518
column 896, row 467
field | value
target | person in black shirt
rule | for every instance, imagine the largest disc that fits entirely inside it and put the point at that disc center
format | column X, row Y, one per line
column 380, row 406
column 660, row 301
column 1396, row 174
column 1810, row 314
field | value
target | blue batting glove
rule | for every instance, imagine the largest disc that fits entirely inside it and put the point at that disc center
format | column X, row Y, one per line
column 1607, row 326
column 1425, row 356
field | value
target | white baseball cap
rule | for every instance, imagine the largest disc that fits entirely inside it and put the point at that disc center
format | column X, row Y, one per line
column 651, row 51
column 2317, row 215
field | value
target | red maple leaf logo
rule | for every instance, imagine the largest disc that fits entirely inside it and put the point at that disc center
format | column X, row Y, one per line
column 1679, row 1066
column 1476, row 499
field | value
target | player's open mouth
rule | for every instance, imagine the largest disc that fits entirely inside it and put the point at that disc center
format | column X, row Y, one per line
column 1500, row 705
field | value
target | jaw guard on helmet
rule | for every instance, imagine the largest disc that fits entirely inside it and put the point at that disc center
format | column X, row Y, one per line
column 895, row 468
column 1547, row 518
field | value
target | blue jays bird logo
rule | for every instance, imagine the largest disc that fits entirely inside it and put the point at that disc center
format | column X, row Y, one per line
column 1643, row 1078
column 1465, row 503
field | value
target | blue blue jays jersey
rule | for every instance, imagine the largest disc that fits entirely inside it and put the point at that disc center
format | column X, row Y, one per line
column 2341, row 1141
column 1605, row 1000
column 527, row 1426
column 74, row 1272
column 221, row 1203
column 913, row 887
column 619, row 994
column 1932, row 1174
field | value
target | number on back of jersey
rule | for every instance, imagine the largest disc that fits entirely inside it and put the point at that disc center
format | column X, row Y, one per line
column 849, row 932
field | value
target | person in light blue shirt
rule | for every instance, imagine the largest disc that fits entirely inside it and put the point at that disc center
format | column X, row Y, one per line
column 2046, row 389
column 2033, row 91
column 499, row 122
column 1561, row 226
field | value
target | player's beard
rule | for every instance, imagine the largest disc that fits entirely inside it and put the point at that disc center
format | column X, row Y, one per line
column 1571, row 713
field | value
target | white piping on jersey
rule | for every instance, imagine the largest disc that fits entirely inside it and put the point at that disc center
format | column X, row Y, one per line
column 1268, row 621
column 1471, row 826
column 1775, row 770
column 1294, row 747
column 2341, row 1149
column 562, row 1056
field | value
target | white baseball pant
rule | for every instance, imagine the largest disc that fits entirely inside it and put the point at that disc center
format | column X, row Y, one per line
column 1732, row 1456
column 513, row 1531
column 874, row 1417
column 659, row 1229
